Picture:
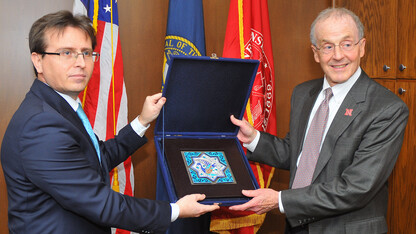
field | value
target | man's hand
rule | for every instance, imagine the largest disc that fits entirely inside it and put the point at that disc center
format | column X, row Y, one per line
column 247, row 133
column 151, row 108
column 263, row 200
column 189, row 206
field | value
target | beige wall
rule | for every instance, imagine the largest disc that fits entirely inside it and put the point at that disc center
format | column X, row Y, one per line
column 17, row 75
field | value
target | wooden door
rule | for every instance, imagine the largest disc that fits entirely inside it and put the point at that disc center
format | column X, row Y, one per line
column 406, row 34
column 380, row 24
column 402, row 202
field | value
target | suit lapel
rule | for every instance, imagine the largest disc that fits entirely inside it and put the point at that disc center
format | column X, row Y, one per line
column 347, row 112
column 48, row 95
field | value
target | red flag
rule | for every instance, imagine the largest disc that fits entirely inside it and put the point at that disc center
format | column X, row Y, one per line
column 248, row 37
column 104, row 99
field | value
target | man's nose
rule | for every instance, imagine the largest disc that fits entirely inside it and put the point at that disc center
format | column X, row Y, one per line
column 338, row 52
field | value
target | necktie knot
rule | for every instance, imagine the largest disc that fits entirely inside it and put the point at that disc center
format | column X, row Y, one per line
column 81, row 114
column 328, row 94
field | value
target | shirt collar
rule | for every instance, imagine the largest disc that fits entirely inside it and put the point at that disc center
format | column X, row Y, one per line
column 340, row 90
column 73, row 103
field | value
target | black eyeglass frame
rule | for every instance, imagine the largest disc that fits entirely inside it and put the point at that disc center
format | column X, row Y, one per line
column 94, row 55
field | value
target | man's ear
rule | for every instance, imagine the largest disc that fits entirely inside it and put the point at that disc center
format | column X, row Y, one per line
column 362, row 47
column 315, row 53
column 37, row 62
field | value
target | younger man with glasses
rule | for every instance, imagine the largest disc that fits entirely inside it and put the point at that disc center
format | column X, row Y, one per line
column 55, row 169
column 346, row 132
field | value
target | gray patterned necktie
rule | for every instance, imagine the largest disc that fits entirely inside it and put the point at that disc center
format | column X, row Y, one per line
column 311, row 148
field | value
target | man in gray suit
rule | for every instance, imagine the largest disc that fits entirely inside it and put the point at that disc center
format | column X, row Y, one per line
column 343, row 187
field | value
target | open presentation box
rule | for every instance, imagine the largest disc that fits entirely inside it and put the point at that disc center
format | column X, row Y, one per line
column 196, row 142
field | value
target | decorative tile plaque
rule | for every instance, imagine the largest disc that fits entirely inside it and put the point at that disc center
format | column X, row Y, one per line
column 208, row 167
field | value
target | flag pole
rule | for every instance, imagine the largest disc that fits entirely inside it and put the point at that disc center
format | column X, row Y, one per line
column 116, row 185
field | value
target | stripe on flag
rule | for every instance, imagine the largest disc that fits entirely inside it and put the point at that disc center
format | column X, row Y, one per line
column 104, row 99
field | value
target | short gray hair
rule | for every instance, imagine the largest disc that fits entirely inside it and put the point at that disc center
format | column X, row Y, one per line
column 338, row 12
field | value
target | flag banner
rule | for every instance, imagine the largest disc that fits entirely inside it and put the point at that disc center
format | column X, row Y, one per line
column 185, row 35
column 104, row 100
column 248, row 37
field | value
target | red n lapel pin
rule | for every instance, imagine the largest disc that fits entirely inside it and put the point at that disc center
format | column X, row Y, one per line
column 348, row 112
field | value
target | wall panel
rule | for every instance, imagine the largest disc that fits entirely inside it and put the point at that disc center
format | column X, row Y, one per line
column 16, row 18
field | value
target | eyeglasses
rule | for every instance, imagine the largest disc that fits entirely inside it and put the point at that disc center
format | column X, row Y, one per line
column 71, row 56
column 329, row 48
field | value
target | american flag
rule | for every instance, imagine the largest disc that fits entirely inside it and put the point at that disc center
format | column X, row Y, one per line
column 104, row 100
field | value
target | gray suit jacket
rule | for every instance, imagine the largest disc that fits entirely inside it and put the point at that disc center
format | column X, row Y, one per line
column 349, row 192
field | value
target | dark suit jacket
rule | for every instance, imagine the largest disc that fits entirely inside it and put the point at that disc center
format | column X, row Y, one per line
column 349, row 191
column 54, row 180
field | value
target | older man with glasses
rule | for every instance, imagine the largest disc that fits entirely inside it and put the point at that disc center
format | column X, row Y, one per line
column 346, row 132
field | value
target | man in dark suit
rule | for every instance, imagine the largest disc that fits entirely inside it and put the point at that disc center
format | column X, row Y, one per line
column 57, row 180
column 340, row 160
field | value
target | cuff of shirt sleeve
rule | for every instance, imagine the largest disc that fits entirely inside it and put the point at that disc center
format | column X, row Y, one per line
column 138, row 127
column 282, row 210
column 252, row 146
column 175, row 212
